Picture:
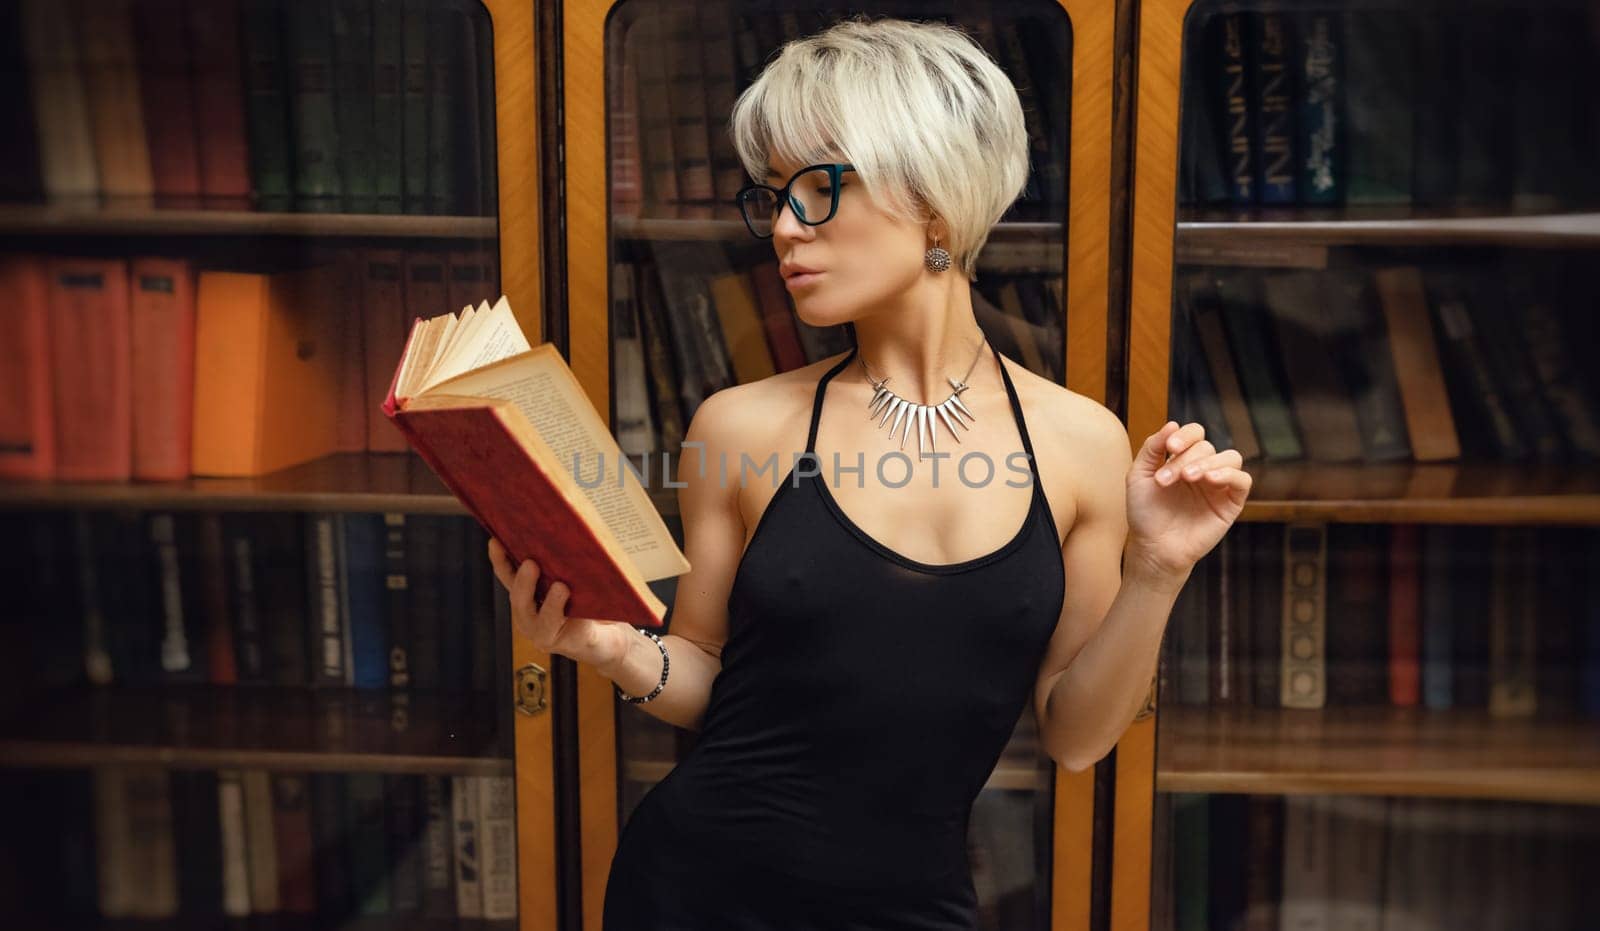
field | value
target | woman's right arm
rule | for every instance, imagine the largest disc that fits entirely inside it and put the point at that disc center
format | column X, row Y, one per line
column 714, row 536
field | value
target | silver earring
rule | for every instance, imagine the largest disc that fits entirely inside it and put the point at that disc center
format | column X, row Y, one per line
column 936, row 259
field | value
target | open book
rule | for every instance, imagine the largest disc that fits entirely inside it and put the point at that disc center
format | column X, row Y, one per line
column 502, row 423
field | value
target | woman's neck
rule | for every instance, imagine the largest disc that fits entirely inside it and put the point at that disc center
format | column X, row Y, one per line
column 930, row 337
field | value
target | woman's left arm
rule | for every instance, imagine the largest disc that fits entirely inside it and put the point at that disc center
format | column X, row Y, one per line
column 1132, row 545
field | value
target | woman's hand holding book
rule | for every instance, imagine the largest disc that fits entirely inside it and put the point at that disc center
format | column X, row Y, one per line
column 601, row 643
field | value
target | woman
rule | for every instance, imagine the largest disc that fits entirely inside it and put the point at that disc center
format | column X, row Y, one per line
column 856, row 642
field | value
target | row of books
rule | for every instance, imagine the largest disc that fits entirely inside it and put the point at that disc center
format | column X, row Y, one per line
column 1311, row 615
column 1397, row 362
column 129, row 842
column 1318, row 863
column 687, row 322
column 152, row 369
column 384, row 601
column 1427, row 107
column 358, row 106
column 675, row 73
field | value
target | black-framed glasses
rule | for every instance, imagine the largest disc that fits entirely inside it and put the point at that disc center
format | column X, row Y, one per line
column 813, row 194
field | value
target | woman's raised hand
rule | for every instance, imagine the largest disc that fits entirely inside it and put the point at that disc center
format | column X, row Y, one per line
column 600, row 643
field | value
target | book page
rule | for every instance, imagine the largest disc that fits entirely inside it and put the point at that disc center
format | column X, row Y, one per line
column 424, row 347
column 462, row 328
column 542, row 388
column 494, row 335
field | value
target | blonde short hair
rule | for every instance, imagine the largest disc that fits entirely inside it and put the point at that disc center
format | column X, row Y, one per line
column 930, row 122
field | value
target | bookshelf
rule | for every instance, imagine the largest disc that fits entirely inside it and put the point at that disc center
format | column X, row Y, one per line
column 98, row 220
column 1373, row 698
column 266, row 691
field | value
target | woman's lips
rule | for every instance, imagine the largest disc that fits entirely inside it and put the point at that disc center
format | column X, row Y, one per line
column 802, row 279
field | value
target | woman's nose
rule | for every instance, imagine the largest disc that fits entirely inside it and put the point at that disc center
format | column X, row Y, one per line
column 786, row 226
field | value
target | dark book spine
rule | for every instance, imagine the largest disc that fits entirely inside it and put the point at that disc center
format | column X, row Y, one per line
column 1319, row 124
column 414, row 42
column 367, row 834
column 438, row 872
column 1232, row 58
column 244, row 600
column 174, row 549
column 455, row 613
column 483, row 591
column 365, row 597
column 423, row 542
column 332, row 848
column 446, row 148
column 328, row 630
column 405, row 845
column 1272, row 91
column 397, row 594
column 388, row 152
column 197, row 829
column 353, row 103
column 266, row 82
column 280, row 562
column 317, row 185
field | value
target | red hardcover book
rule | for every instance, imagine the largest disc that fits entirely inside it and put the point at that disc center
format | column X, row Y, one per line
column 27, row 420
column 90, row 369
column 162, row 308
column 503, row 425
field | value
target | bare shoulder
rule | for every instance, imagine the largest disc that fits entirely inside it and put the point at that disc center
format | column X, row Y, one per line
column 761, row 419
column 1066, row 418
column 758, row 415
column 1081, row 445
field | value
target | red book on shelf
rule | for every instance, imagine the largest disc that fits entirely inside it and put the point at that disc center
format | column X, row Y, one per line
column 90, row 369
column 502, row 424
column 27, row 428
column 162, row 310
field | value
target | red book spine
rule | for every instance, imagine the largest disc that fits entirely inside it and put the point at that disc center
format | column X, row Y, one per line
column 1405, row 674
column 90, row 368
column 167, row 97
column 219, row 103
column 162, row 335
column 27, row 427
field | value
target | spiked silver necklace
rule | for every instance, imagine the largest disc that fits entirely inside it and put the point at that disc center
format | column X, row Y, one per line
column 924, row 418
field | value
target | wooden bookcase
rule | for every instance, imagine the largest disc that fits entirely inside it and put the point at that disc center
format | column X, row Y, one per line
column 1384, row 765
column 61, row 737
column 1106, row 250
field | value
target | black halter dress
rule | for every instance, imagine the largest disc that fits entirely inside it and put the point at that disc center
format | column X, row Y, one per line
column 863, row 701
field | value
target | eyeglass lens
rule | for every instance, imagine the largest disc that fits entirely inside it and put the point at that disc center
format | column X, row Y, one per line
column 811, row 195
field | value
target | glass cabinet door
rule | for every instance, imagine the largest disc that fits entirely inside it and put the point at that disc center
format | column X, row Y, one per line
column 681, row 301
column 257, row 663
column 1371, row 235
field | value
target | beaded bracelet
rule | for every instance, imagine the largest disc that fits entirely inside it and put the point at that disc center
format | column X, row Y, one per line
column 665, row 661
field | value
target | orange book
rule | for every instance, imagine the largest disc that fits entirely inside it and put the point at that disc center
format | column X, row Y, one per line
column 266, row 371
column 504, row 426
column 161, row 303
column 27, row 431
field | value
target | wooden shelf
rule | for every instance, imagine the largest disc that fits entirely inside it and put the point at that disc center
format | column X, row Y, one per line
column 201, row 727
column 1461, row 493
column 1400, row 225
column 95, row 220
column 341, row 482
column 1378, row 751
